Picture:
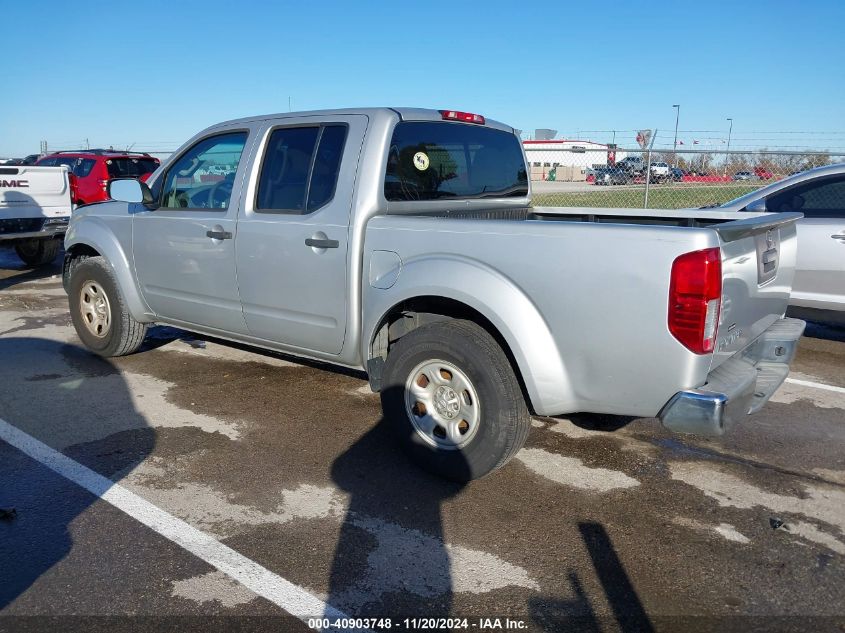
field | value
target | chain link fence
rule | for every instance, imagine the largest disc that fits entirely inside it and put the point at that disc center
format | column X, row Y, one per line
column 595, row 176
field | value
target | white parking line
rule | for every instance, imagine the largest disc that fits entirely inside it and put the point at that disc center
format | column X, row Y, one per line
column 816, row 385
column 290, row 597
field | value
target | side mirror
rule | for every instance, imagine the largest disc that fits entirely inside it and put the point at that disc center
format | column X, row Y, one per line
column 757, row 206
column 130, row 190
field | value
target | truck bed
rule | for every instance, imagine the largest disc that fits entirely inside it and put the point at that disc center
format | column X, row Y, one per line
column 656, row 217
column 600, row 291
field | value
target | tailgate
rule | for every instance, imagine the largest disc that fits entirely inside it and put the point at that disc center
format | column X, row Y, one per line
column 29, row 192
column 758, row 264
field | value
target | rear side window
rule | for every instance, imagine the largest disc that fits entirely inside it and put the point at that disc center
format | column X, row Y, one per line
column 130, row 167
column 823, row 198
column 300, row 168
column 79, row 167
column 429, row 160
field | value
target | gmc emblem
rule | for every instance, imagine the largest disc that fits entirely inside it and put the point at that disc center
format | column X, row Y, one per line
column 14, row 183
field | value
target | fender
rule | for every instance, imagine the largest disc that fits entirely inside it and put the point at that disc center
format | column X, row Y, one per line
column 93, row 232
column 496, row 297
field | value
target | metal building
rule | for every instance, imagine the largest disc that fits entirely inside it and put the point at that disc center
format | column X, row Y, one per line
column 570, row 159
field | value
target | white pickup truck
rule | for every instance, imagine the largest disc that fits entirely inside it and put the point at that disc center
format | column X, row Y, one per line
column 35, row 206
column 660, row 172
column 402, row 242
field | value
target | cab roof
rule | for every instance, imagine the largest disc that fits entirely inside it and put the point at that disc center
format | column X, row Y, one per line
column 404, row 114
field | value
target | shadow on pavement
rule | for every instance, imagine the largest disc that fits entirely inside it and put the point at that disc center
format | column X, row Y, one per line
column 627, row 608
column 600, row 421
column 77, row 404
column 578, row 614
column 391, row 554
column 13, row 271
column 391, row 550
column 825, row 331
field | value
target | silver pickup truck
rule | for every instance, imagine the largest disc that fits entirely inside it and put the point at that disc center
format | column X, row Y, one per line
column 403, row 242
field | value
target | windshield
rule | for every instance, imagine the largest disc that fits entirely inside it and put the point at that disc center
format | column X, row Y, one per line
column 429, row 160
column 132, row 167
column 745, row 199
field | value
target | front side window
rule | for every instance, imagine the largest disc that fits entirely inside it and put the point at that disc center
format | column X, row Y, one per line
column 300, row 168
column 429, row 160
column 823, row 198
column 203, row 177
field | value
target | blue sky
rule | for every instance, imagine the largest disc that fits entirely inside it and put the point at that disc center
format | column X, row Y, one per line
column 153, row 73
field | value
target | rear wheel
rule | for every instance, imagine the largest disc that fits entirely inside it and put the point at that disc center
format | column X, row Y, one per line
column 37, row 252
column 99, row 312
column 453, row 400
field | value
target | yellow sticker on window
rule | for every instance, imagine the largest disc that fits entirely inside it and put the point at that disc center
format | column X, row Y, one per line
column 421, row 161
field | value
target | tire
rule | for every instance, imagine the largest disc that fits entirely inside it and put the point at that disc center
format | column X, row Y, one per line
column 491, row 421
column 98, row 310
column 38, row 252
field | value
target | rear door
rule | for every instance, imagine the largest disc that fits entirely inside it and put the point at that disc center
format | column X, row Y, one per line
column 293, row 232
column 820, row 269
column 184, row 250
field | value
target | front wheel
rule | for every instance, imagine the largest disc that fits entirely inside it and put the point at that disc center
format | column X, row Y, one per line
column 38, row 252
column 98, row 310
column 453, row 400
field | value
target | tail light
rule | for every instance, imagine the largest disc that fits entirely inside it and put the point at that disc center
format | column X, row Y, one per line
column 466, row 117
column 74, row 187
column 104, row 184
column 695, row 299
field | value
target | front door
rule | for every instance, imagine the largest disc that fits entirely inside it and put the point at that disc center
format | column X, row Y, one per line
column 293, row 233
column 185, row 249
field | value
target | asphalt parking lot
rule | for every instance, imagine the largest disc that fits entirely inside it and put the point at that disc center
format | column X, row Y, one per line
column 198, row 456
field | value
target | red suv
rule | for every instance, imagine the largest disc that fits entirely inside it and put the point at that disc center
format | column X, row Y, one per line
column 92, row 169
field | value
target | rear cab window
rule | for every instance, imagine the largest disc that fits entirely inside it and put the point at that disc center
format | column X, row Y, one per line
column 432, row 160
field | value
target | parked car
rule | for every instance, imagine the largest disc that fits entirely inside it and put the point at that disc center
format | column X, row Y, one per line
column 819, row 287
column 763, row 174
column 365, row 238
column 35, row 205
column 744, row 175
column 94, row 169
column 31, row 159
column 632, row 165
column 28, row 160
column 611, row 176
column 659, row 172
column 677, row 174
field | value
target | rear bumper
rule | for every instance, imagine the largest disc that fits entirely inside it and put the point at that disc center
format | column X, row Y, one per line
column 32, row 228
column 739, row 386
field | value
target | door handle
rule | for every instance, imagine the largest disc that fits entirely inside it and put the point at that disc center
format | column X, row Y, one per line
column 838, row 236
column 219, row 235
column 317, row 243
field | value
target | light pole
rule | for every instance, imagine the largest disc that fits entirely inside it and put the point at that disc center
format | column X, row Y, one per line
column 728, row 150
column 677, row 107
